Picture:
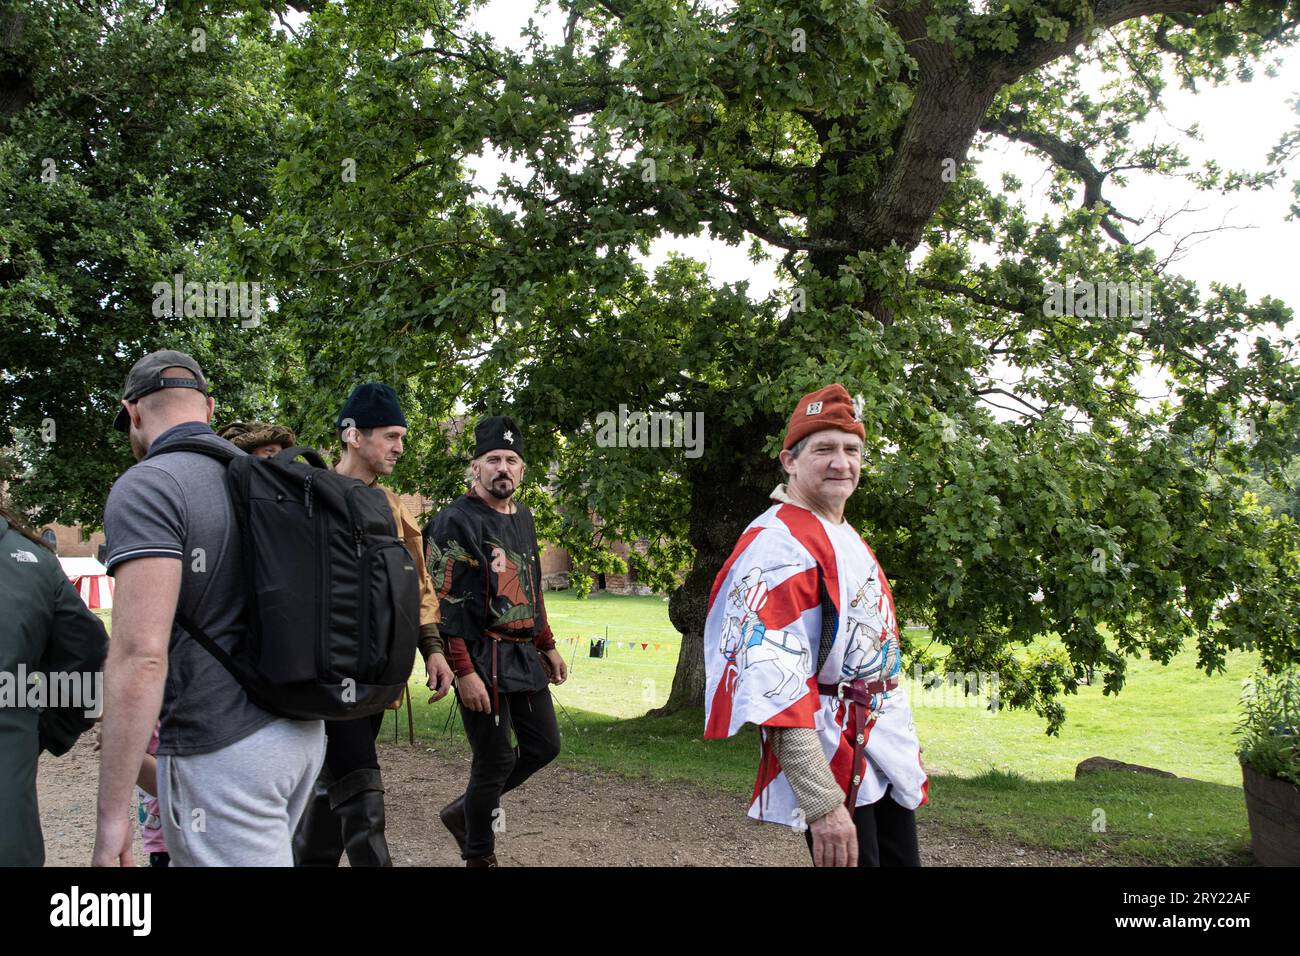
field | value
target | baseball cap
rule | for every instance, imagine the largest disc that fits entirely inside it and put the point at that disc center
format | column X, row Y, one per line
column 146, row 377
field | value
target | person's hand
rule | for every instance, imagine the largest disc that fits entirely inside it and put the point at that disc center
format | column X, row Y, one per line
column 99, row 738
column 835, row 839
column 473, row 694
column 440, row 676
column 556, row 670
column 113, row 843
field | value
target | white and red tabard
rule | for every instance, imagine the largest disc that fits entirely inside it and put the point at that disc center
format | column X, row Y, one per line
column 761, row 641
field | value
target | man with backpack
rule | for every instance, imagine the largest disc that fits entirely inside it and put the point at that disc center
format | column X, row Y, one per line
column 346, row 811
column 233, row 778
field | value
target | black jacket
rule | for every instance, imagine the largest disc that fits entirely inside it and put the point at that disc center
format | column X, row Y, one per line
column 45, row 628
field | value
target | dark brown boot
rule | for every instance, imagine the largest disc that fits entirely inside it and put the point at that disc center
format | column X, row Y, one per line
column 453, row 818
column 475, row 862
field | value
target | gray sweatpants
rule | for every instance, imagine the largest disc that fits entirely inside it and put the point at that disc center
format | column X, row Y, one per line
column 239, row 806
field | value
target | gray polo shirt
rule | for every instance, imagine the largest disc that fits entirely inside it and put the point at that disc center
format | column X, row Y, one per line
column 176, row 506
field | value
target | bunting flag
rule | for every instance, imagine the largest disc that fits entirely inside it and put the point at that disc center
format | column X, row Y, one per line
column 630, row 645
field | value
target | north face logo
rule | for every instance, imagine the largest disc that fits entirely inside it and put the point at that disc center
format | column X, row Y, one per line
column 814, row 408
column 23, row 556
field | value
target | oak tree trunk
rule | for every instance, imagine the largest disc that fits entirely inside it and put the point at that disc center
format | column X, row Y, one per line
column 730, row 487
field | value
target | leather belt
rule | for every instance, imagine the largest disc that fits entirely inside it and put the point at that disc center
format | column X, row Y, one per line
column 857, row 696
column 858, row 691
column 508, row 638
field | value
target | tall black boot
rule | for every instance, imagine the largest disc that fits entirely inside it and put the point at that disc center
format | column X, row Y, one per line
column 318, row 841
column 358, row 800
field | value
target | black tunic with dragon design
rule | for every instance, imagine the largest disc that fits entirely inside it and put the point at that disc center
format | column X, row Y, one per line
column 487, row 572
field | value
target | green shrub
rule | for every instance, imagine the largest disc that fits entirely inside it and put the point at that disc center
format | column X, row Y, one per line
column 1269, row 732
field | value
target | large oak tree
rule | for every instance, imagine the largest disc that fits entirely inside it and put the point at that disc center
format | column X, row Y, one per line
column 838, row 138
column 841, row 135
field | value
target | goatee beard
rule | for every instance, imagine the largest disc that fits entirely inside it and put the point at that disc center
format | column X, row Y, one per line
column 500, row 496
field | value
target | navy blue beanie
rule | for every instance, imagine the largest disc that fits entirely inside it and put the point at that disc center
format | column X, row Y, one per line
column 372, row 405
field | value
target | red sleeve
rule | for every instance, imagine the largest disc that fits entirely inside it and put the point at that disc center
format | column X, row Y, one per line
column 458, row 653
column 544, row 640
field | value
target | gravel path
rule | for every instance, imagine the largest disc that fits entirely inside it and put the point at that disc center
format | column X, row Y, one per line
column 562, row 817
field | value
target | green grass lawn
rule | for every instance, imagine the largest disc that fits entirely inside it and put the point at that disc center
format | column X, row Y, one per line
column 1172, row 717
column 628, row 681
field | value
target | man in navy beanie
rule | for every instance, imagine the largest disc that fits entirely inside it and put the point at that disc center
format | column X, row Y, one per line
column 346, row 811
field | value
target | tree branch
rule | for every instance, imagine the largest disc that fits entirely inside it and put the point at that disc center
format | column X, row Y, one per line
column 951, row 100
column 1035, row 53
column 1068, row 156
column 406, row 255
column 779, row 238
column 414, row 167
column 484, row 64
column 974, row 295
column 1011, row 395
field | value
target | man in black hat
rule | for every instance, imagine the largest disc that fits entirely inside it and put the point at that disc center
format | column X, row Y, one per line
column 347, row 807
column 232, row 778
column 482, row 552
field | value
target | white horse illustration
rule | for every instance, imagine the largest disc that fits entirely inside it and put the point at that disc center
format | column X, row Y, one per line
column 776, row 659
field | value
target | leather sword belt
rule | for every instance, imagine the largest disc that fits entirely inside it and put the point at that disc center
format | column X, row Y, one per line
column 857, row 691
column 857, row 696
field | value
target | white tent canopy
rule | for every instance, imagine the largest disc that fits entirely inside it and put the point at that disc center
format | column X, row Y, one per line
column 76, row 567
column 91, row 580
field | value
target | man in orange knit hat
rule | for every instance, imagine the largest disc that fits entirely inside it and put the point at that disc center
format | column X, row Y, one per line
column 801, row 639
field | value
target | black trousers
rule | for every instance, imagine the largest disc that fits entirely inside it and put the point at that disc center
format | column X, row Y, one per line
column 350, row 744
column 886, row 834
column 499, row 767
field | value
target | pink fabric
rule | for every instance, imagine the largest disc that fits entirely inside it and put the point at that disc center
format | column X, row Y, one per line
column 151, row 835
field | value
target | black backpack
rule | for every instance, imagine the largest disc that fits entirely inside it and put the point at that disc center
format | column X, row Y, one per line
column 333, row 613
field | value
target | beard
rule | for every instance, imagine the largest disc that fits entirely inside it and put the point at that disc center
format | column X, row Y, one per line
column 509, row 487
column 379, row 464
